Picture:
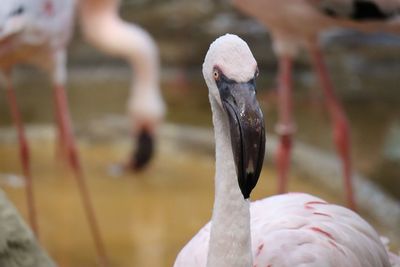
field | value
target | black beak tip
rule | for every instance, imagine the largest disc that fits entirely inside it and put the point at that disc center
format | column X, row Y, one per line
column 246, row 194
column 247, row 184
column 144, row 151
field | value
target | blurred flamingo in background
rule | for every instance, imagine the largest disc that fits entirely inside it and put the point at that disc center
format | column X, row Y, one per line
column 285, row 230
column 37, row 33
column 296, row 24
column 103, row 28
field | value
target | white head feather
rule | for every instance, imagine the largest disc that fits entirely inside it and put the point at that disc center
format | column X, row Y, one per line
column 233, row 56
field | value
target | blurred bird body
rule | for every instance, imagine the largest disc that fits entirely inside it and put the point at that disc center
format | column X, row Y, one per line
column 36, row 32
column 296, row 23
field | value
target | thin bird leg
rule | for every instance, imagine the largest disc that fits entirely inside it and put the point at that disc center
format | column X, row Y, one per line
column 285, row 127
column 24, row 156
column 61, row 144
column 74, row 161
column 341, row 131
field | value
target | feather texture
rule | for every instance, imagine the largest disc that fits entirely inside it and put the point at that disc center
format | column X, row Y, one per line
column 300, row 230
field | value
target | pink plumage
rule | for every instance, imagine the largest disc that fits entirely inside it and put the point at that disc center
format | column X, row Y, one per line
column 300, row 230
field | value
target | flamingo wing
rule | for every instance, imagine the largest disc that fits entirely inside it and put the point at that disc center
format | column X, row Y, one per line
column 194, row 253
column 394, row 259
column 300, row 230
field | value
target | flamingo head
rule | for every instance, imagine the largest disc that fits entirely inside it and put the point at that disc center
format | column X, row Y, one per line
column 230, row 71
column 146, row 111
column 13, row 17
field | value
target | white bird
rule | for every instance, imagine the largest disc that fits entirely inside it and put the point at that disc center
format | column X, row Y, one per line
column 287, row 230
column 296, row 24
column 103, row 28
column 37, row 32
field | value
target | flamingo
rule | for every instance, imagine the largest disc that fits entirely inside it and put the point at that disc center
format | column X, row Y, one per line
column 293, row 229
column 104, row 29
column 296, row 24
column 37, row 33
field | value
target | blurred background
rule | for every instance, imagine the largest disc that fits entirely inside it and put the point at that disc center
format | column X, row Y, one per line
column 147, row 217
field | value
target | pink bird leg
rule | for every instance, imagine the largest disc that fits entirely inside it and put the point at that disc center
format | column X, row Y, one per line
column 285, row 127
column 61, row 145
column 68, row 145
column 341, row 131
column 24, row 156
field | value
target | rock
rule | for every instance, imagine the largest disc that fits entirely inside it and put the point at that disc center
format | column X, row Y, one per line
column 18, row 246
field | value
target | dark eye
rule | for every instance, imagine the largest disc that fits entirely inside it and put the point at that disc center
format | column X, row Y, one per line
column 257, row 73
column 216, row 74
column 18, row 11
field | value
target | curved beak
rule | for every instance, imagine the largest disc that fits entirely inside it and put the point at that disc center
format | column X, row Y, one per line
column 144, row 151
column 247, row 130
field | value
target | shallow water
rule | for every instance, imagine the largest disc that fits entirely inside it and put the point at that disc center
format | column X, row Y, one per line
column 145, row 218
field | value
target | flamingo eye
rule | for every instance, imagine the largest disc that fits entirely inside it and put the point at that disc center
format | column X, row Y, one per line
column 216, row 74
